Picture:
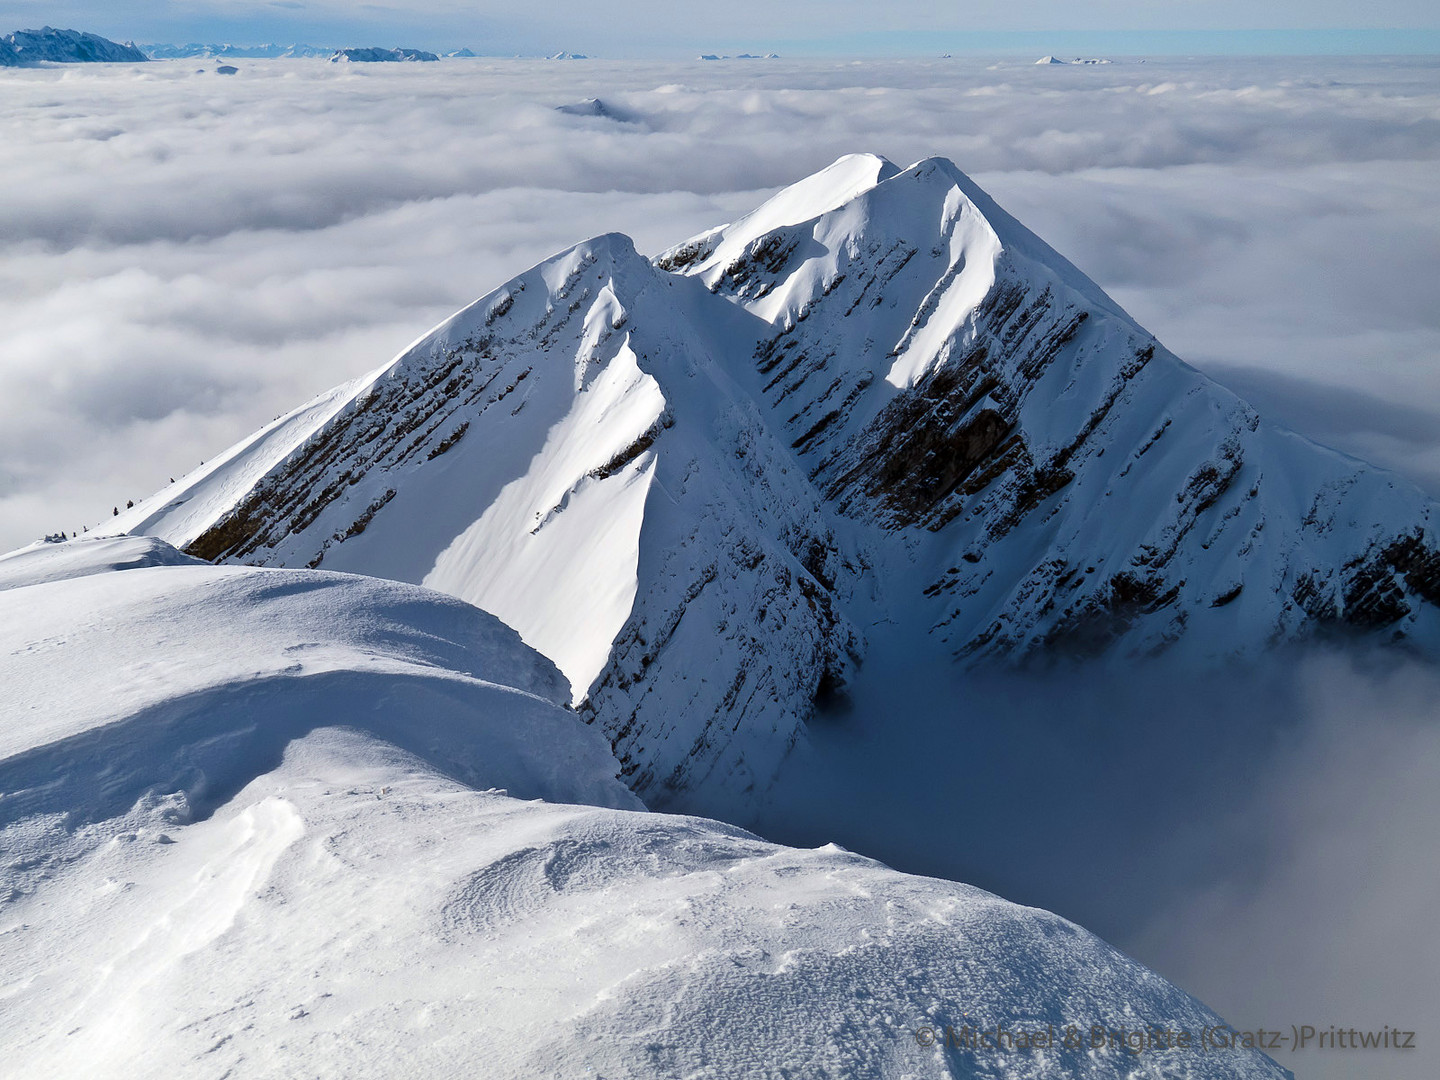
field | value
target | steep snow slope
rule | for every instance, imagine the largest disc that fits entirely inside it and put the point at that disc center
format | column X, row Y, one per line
column 876, row 401
column 245, row 834
column 585, row 467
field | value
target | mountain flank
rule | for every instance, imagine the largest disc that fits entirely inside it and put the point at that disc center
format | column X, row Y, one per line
column 701, row 484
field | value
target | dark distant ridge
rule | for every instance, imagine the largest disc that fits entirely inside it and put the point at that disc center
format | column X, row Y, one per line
column 26, row 47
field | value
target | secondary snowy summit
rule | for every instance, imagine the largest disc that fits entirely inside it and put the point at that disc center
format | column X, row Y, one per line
column 381, row 56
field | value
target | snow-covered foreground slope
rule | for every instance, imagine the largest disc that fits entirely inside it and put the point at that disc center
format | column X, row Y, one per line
column 699, row 484
column 252, row 826
column 168, row 672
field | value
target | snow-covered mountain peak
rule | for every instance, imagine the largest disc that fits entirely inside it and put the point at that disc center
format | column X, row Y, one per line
column 877, row 400
column 810, row 235
column 817, row 194
column 607, row 263
column 49, row 45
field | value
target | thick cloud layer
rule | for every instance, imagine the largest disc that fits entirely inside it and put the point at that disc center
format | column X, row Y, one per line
column 187, row 255
column 1264, row 838
column 1328, row 921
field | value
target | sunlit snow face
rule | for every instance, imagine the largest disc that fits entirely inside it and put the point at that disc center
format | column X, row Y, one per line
column 188, row 256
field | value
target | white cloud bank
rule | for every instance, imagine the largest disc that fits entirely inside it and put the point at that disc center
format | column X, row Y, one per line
column 185, row 255
column 1326, row 915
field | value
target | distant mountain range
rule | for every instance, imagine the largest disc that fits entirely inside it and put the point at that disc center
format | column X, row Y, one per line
column 201, row 51
column 48, row 45
column 377, row 56
column 196, row 50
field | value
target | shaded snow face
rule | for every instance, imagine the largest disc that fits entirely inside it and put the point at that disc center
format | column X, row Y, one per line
column 177, row 274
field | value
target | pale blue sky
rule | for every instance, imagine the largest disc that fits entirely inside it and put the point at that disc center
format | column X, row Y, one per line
column 838, row 27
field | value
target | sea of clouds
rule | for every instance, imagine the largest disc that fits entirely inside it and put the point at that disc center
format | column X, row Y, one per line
column 185, row 255
column 1264, row 837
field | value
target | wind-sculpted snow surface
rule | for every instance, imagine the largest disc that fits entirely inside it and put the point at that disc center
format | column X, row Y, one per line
column 252, row 826
column 49, row 561
column 878, row 400
column 124, row 674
